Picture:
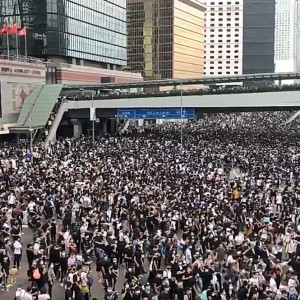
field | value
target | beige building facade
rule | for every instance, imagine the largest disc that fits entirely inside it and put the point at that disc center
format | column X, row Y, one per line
column 166, row 38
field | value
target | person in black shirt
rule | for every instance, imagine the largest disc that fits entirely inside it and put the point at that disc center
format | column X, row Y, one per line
column 63, row 262
column 110, row 279
column 5, row 264
column 76, row 283
column 165, row 293
column 29, row 255
column 147, row 293
column 126, row 292
column 68, row 291
column 110, row 294
column 128, row 254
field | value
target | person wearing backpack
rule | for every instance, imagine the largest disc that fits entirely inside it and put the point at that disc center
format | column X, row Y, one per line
column 293, row 294
column 37, row 275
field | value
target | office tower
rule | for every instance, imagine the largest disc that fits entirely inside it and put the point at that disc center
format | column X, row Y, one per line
column 83, row 32
column 285, row 35
column 297, row 36
column 166, row 38
column 258, row 36
column 223, row 37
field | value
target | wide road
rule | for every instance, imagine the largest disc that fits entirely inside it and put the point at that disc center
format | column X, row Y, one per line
column 58, row 290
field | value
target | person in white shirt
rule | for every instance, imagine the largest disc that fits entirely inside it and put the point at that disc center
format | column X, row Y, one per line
column 17, row 247
column 273, row 284
column 20, row 293
column 27, row 295
column 11, row 199
column 43, row 294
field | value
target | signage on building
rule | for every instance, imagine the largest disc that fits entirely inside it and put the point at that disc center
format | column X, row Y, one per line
column 18, row 70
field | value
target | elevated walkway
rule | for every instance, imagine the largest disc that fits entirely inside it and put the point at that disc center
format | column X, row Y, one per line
column 35, row 112
column 287, row 100
column 235, row 102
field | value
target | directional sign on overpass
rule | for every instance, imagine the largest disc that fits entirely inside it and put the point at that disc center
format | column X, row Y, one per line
column 156, row 113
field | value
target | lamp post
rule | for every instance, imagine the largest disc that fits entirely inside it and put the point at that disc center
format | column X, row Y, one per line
column 181, row 116
column 31, row 141
column 93, row 121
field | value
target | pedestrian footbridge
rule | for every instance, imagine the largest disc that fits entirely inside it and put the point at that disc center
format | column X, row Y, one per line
column 42, row 103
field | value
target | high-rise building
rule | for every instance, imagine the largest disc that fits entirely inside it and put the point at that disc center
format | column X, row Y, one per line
column 258, row 36
column 83, row 32
column 297, row 36
column 285, row 35
column 223, row 37
column 166, row 38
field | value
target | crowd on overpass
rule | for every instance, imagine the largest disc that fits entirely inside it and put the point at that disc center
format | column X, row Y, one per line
column 201, row 91
column 215, row 217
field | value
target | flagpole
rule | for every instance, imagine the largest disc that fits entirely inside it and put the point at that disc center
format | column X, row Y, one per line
column 25, row 44
column 17, row 44
column 7, row 43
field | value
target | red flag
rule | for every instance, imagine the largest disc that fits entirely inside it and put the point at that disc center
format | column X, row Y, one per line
column 13, row 29
column 23, row 31
column 3, row 30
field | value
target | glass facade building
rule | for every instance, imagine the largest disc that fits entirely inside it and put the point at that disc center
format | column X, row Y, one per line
column 166, row 38
column 92, row 30
column 259, row 36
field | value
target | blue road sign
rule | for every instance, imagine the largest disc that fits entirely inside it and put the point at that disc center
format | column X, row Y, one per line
column 155, row 113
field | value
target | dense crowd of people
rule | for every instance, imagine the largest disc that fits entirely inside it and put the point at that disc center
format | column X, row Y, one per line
column 209, row 89
column 214, row 218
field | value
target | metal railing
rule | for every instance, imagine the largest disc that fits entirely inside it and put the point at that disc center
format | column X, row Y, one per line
column 194, row 92
column 20, row 58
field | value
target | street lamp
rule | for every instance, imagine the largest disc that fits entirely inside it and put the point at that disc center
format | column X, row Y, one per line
column 31, row 140
column 93, row 121
column 92, row 112
column 181, row 116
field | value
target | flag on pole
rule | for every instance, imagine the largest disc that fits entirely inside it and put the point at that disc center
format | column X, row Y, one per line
column 4, row 29
column 22, row 31
column 13, row 29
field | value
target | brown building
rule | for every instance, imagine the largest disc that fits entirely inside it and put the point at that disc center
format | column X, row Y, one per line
column 166, row 38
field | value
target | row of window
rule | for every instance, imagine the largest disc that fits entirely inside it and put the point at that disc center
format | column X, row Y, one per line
column 221, row 46
column 228, row 19
column 221, row 51
column 221, row 41
column 220, row 68
column 222, row 3
column 221, row 30
column 228, row 62
column 223, row 25
column 220, row 62
column 223, row 36
column 222, row 73
column 212, row 14
column 221, row 8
